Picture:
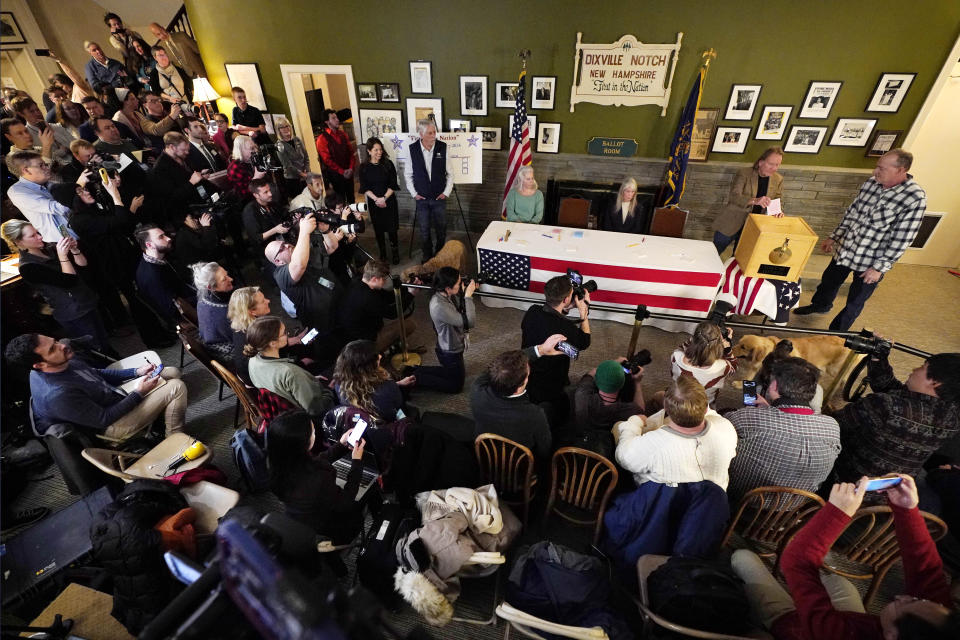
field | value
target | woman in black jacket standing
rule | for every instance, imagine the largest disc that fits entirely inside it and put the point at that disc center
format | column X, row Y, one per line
column 378, row 182
column 306, row 484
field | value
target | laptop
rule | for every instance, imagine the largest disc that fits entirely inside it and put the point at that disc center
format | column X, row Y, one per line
column 369, row 475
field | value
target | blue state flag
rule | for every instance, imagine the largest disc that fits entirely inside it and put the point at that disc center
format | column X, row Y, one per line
column 680, row 147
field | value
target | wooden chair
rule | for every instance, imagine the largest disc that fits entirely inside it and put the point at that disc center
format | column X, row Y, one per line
column 244, row 395
column 646, row 565
column 581, row 483
column 574, row 212
column 528, row 625
column 509, row 466
column 192, row 344
column 669, row 222
column 868, row 547
column 766, row 516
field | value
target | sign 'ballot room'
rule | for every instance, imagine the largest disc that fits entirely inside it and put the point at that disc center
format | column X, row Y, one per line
column 624, row 73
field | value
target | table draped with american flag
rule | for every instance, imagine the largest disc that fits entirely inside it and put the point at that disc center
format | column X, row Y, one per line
column 772, row 298
column 669, row 275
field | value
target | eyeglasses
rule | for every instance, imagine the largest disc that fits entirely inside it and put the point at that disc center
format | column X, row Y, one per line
column 283, row 245
column 42, row 165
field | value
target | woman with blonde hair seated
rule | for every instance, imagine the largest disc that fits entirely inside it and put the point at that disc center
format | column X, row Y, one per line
column 625, row 216
column 525, row 200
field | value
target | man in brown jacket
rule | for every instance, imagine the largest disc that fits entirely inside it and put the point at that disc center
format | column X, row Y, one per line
column 751, row 192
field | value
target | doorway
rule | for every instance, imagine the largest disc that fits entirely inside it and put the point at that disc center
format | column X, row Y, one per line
column 310, row 89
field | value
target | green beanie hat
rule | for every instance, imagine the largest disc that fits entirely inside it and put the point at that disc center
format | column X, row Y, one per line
column 610, row 376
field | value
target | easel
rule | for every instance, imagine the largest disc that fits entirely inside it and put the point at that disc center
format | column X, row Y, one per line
column 413, row 232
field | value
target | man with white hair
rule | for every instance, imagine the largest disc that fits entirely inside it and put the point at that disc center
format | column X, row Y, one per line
column 429, row 178
column 102, row 70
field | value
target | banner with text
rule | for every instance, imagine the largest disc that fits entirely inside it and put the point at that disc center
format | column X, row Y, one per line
column 464, row 149
column 624, row 73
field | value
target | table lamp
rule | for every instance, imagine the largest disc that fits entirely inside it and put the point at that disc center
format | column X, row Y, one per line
column 204, row 93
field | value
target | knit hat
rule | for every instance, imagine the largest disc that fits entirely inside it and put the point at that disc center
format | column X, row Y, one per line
column 609, row 376
column 121, row 93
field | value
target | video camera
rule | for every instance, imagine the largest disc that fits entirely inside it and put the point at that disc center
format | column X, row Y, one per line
column 265, row 158
column 640, row 359
column 580, row 288
column 868, row 344
column 103, row 160
column 330, row 218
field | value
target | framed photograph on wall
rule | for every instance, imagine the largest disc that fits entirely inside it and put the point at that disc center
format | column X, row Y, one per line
column 10, row 32
column 421, row 76
column 704, row 123
column 883, row 140
column 852, row 132
column 731, row 139
column 388, row 91
column 366, row 92
column 891, row 90
column 473, row 95
column 548, row 137
column 819, row 100
column 507, row 94
column 532, row 120
column 773, row 122
column 804, row 139
column 543, row 91
column 423, row 108
column 491, row 137
column 375, row 123
column 743, row 100
column 459, row 125
column 246, row 75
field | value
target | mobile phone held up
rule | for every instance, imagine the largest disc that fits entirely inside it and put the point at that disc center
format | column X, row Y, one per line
column 358, row 428
column 878, row 484
column 750, row 393
column 568, row 350
column 156, row 371
column 310, row 335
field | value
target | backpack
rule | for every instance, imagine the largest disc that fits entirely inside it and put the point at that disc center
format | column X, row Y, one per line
column 701, row 594
column 377, row 561
column 251, row 460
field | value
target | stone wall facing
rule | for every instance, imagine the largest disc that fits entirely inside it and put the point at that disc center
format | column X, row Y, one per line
column 818, row 194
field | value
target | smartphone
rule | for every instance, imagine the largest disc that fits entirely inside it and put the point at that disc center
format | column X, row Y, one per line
column 626, row 370
column 568, row 350
column 876, row 484
column 308, row 338
column 43, row 53
column 104, row 176
column 156, row 370
column 63, row 231
column 358, row 428
column 750, row 393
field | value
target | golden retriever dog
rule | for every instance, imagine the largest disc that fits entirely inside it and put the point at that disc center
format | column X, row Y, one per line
column 825, row 352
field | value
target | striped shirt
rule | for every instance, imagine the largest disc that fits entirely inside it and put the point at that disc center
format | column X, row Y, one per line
column 776, row 447
column 879, row 225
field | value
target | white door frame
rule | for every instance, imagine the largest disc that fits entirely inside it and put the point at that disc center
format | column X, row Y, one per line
column 290, row 85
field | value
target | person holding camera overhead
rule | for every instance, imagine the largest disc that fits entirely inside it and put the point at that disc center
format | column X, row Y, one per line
column 550, row 374
column 453, row 316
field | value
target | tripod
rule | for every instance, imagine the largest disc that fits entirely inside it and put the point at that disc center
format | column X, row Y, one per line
column 413, row 231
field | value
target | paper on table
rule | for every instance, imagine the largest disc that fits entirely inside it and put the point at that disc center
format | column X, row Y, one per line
column 774, row 207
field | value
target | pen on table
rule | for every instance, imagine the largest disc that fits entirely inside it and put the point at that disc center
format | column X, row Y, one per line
column 547, row 236
column 633, row 244
column 506, row 236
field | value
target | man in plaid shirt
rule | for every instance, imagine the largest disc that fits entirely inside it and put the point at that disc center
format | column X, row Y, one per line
column 781, row 441
column 874, row 232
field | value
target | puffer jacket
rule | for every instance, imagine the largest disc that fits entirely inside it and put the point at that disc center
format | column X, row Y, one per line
column 129, row 548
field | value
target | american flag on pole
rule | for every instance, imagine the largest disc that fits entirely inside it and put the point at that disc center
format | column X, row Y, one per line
column 660, row 289
column 519, row 142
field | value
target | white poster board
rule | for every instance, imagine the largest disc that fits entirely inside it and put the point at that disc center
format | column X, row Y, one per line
column 465, row 151
column 626, row 72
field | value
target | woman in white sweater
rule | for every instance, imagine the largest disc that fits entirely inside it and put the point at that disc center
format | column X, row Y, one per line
column 686, row 442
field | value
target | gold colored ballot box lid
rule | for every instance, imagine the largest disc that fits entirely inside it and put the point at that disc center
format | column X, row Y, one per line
column 775, row 248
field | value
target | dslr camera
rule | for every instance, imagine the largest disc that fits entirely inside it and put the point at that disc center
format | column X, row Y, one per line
column 105, row 161
column 480, row 278
column 580, row 288
column 868, row 344
column 265, row 158
column 330, row 218
column 640, row 359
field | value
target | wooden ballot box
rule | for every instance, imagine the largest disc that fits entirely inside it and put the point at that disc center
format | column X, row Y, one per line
column 775, row 248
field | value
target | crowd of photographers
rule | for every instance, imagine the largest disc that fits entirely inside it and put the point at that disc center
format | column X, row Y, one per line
column 118, row 222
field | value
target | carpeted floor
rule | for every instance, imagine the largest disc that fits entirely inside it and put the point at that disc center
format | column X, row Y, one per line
column 919, row 306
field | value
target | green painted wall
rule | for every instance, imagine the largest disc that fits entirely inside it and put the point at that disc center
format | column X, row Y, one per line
column 781, row 45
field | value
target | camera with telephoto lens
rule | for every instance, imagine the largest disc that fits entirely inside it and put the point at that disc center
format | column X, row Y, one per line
column 580, row 288
column 329, row 218
column 868, row 344
column 640, row 359
column 104, row 161
column 265, row 158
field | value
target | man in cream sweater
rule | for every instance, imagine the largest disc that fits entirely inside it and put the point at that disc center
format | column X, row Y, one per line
column 686, row 442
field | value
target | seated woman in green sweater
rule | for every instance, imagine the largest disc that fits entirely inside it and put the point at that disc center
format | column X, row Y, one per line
column 525, row 200
column 282, row 376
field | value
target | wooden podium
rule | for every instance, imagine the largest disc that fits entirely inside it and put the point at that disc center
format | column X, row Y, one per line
column 775, row 248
